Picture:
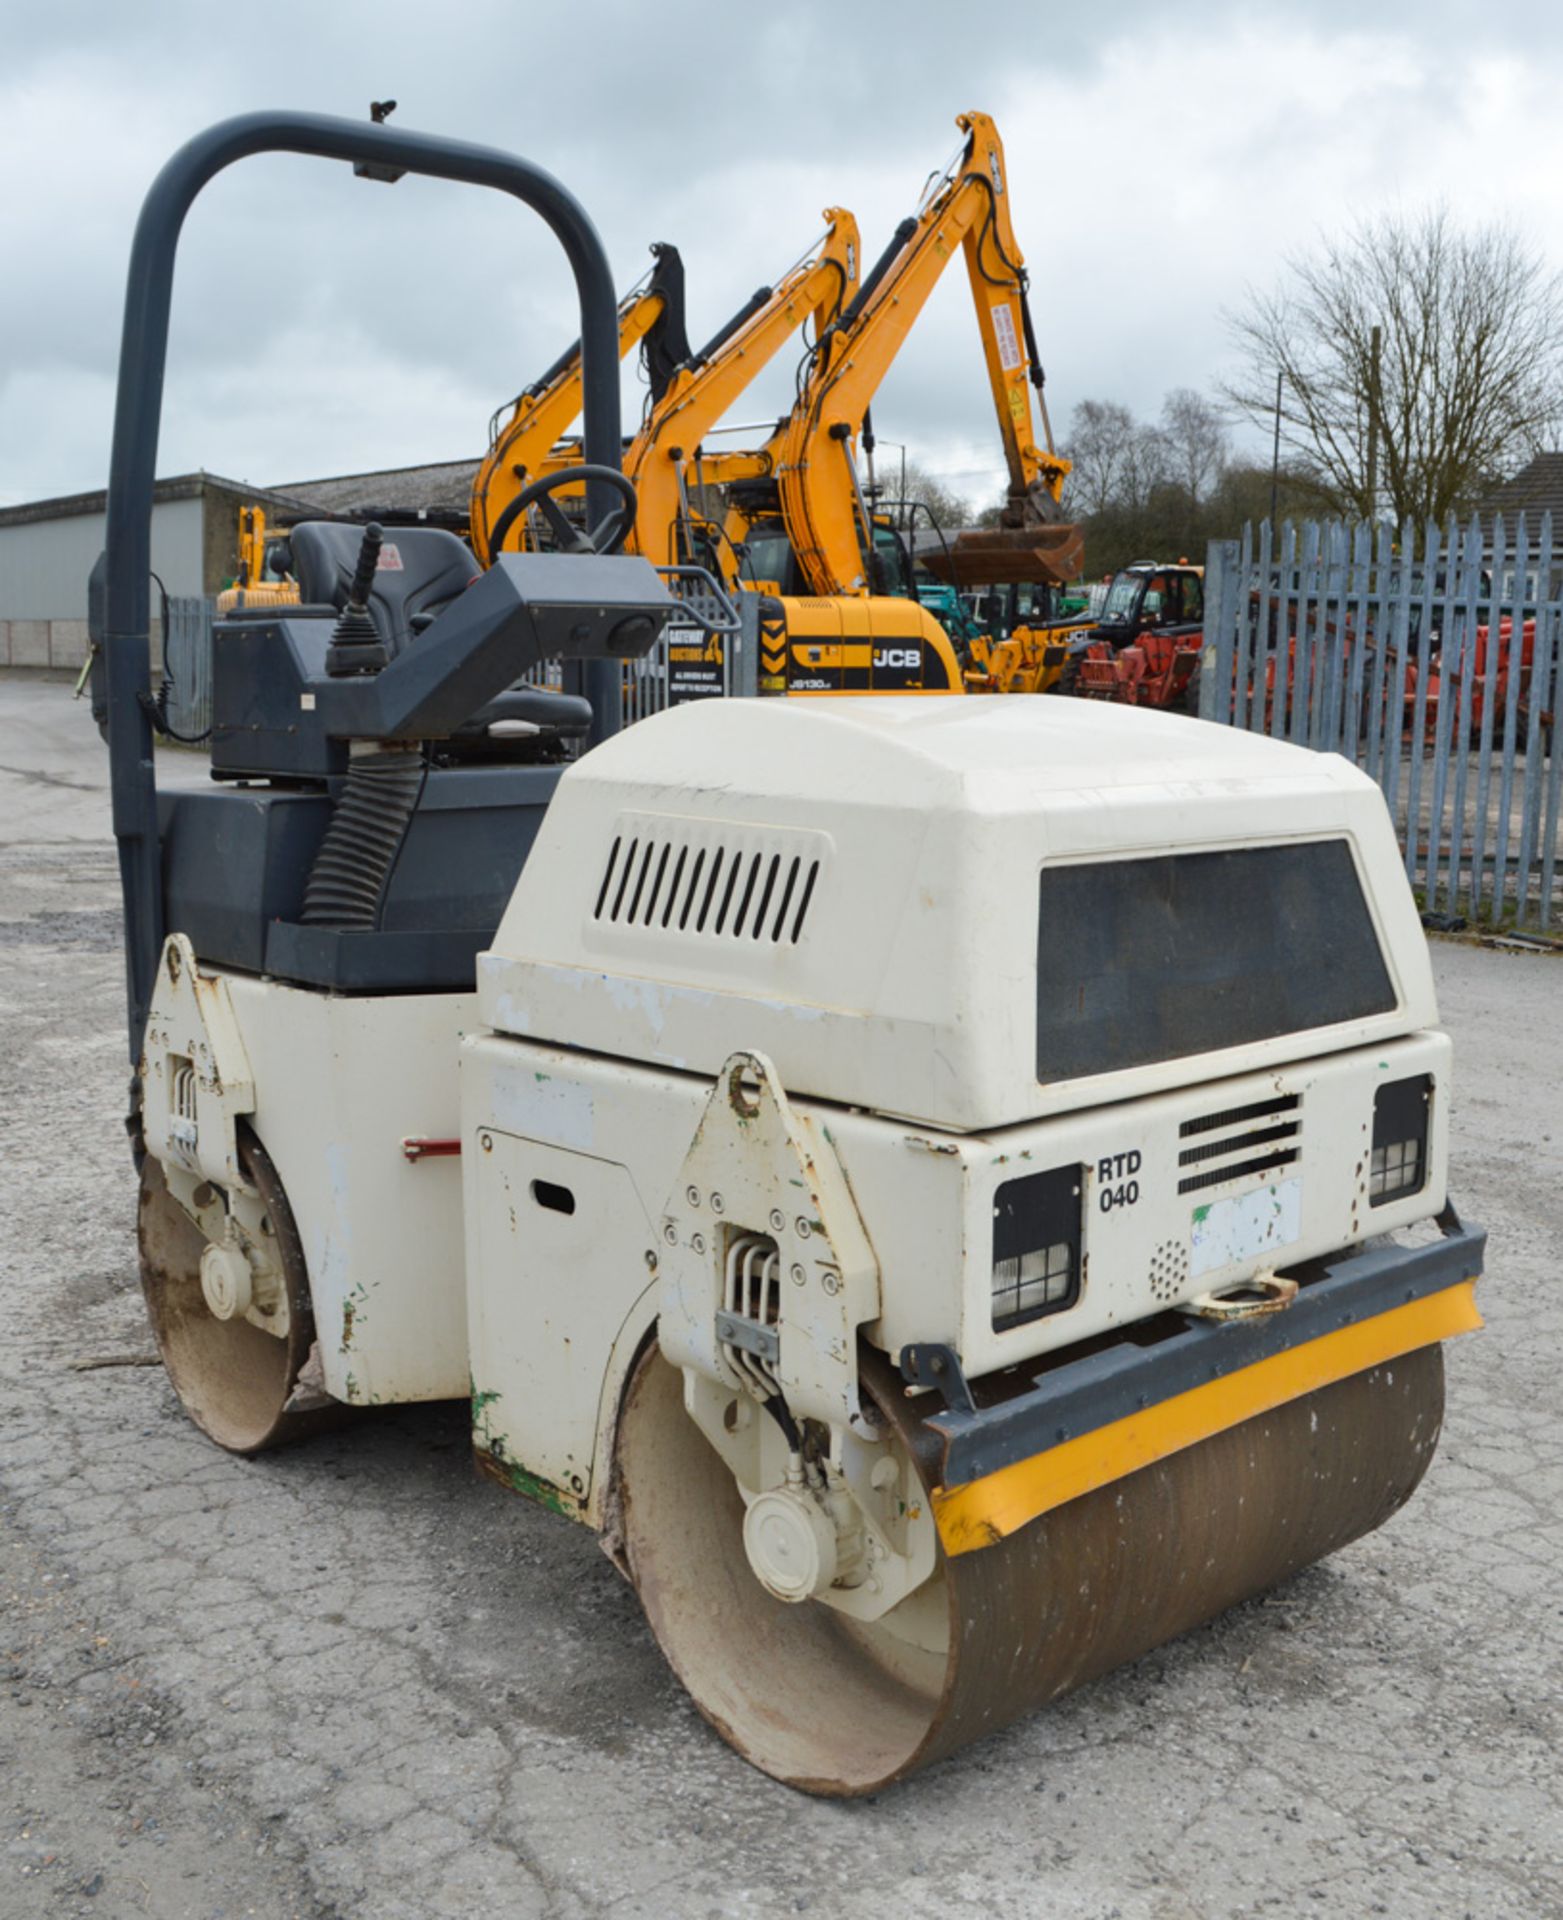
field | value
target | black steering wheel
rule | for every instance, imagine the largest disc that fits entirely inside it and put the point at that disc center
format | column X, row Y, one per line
column 608, row 536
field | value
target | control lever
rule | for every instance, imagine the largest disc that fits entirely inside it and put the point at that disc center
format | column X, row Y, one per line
column 356, row 646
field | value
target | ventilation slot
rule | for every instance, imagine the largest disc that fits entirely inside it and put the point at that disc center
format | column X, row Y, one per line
column 1239, row 1142
column 759, row 894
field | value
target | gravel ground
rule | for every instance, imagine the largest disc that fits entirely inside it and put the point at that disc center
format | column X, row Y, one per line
column 357, row 1680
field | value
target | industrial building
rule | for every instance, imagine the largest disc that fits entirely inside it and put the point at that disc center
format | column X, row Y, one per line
column 48, row 547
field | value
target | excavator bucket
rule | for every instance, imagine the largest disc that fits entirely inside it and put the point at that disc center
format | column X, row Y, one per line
column 1000, row 556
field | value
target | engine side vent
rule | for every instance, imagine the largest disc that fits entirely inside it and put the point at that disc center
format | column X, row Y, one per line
column 1238, row 1142
column 712, row 880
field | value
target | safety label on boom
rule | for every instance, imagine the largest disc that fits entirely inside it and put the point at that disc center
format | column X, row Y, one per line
column 1010, row 356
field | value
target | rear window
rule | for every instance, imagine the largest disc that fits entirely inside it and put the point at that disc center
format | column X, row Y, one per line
column 1147, row 960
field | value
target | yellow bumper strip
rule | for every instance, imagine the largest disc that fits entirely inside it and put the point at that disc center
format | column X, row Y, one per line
column 982, row 1512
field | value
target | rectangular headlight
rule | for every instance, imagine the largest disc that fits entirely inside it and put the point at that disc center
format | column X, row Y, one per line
column 1036, row 1246
column 1400, row 1117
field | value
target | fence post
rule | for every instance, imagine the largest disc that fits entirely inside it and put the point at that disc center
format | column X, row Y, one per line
column 1264, row 631
column 1310, row 618
column 1285, row 621
column 1513, row 653
column 1431, row 549
column 742, row 649
column 1357, row 630
column 1540, row 697
column 1216, row 662
column 1458, row 737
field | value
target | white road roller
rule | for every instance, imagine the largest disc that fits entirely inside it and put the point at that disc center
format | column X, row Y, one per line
column 953, row 1191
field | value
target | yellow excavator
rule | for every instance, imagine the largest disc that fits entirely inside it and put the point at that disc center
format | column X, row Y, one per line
column 666, row 460
column 839, row 634
column 667, row 452
column 263, row 578
column 525, row 447
column 794, row 508
column 674, row 474
column 968, row 205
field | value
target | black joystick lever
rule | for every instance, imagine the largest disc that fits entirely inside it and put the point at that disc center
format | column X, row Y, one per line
column 356, row 646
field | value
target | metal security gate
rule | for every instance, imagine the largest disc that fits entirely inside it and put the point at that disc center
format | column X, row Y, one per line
column 1436, row 665
column 711, row 653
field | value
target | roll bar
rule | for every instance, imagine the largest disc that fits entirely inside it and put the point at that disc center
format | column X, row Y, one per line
column 381, row 153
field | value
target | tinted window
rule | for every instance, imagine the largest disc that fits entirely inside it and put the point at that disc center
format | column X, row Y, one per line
column 1146, row 960
column 771, row 558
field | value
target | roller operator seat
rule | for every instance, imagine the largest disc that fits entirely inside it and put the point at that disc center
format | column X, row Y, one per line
column 422, row 569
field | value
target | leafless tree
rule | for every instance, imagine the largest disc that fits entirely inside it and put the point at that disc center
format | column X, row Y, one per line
column 1470, row 378
column 1193, row 444
column 949, row 508
column 1107, row 446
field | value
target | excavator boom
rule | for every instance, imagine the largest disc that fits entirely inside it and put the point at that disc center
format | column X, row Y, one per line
column 651, row 316
column 968, row 206
column 709, row 382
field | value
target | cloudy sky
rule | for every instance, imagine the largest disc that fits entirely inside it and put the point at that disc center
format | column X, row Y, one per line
column 1161, row 160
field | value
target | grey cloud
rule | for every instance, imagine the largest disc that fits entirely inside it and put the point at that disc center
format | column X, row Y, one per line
column 322, row 324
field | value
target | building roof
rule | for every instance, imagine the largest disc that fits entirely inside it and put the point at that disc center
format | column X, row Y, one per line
column 181, row 486
column 1536, row 489
column 444, row 487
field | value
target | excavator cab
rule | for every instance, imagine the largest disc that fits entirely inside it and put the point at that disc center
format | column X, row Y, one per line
column 770, row 560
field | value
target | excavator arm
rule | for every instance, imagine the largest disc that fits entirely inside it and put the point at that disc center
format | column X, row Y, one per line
column 651, row 316
column 967, row 206
column 667, row 447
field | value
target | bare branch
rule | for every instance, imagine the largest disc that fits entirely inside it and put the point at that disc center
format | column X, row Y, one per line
column 1470, row 379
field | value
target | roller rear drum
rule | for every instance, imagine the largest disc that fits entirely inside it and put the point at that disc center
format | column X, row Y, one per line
column 837, row 1707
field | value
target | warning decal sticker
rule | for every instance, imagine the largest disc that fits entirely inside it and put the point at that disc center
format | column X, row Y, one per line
column 1010, row 356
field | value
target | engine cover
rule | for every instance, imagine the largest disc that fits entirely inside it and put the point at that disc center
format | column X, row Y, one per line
column 859, row 888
